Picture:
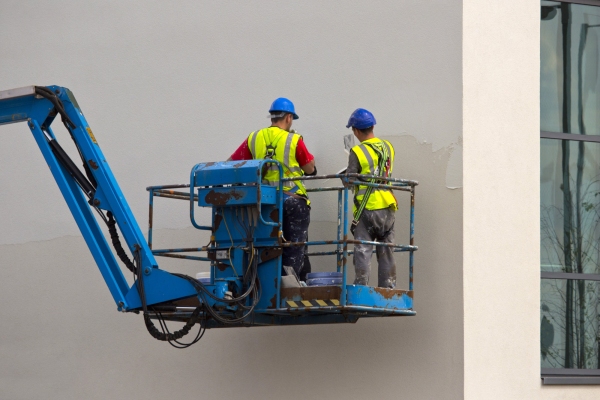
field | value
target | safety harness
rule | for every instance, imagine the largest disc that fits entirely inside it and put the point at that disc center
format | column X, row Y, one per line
column 382, row 170
column 270, row 155
column 271, row 147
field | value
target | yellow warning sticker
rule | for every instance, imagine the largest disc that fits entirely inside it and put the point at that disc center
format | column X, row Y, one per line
column 89, row 131
column 313, row 303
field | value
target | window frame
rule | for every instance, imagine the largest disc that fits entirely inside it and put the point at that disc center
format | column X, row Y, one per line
column 570, row 376
column 584, row 2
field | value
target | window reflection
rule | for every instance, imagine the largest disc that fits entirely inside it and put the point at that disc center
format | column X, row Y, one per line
column 570, row 206
column 570, row 49
column 570, row 324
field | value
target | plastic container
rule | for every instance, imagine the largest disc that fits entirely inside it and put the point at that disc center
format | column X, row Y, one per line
column 203, row 277
column 324, row 282
column 331, row 275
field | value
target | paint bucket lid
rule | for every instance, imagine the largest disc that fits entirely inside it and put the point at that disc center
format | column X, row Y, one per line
column 331, row 275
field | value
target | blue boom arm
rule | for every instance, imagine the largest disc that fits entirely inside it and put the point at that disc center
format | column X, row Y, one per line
column 38, row 107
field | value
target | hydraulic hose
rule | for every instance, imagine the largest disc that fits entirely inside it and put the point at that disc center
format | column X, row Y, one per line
column 114, row 236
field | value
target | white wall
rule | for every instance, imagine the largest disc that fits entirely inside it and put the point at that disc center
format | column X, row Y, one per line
column 501, row 203
column 167, row 85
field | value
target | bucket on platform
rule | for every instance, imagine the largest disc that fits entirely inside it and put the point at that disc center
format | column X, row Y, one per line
column 324, row 279
column 203, row 277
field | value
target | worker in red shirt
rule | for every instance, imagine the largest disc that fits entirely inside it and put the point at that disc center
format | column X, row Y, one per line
column 279, row 142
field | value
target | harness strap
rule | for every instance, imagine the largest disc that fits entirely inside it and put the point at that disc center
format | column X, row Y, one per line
column 383, row 156
column 270, row 154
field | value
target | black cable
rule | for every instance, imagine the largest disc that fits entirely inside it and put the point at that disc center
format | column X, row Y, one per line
column 202, row 292
column 176, row 343
column 201, row 287
column 114, row 236
column 254, row 289
column 154, row 332
column 216, row 316
column 57, row 103
column 101, row 214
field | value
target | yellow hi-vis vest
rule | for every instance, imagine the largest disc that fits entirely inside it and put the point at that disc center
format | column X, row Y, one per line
column 282, row 145
column 369, row 160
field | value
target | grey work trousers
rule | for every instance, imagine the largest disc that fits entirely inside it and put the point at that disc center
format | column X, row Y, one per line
column 375, row 225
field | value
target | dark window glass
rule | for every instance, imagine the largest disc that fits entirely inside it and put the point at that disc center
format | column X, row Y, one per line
column 570, row 206
column 570, row 188
column 570, row 85
column 570, row 324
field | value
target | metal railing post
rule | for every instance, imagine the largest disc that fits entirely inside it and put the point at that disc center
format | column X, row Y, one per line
column 412, row 238
column 150, row 217
column 339, row 232
column 345, row 248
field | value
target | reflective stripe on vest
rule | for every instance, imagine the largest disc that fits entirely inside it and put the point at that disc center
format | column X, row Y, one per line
column 368, row 159
column 285, row 144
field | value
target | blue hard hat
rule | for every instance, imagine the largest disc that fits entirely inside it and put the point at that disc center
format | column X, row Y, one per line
column 283, row 105
column 361, row 119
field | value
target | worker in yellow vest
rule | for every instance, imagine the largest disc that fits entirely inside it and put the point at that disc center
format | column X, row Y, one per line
column 374, row 208
column 279, row 142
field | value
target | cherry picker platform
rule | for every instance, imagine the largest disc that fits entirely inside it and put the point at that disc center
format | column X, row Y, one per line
column 246, row 241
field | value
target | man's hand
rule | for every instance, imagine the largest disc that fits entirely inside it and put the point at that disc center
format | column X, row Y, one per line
column 350, row 183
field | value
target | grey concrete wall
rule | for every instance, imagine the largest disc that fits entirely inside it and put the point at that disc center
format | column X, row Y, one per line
column 165, row 86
